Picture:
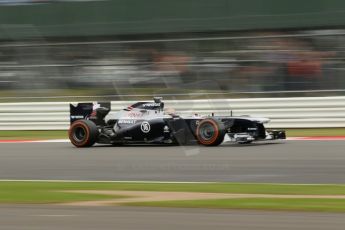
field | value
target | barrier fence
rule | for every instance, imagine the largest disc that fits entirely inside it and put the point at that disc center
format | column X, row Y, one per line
column 293, row 112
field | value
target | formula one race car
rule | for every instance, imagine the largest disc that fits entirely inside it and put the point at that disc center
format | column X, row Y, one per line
column 149, row 122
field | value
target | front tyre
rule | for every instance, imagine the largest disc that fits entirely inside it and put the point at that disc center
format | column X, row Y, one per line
column 83, row 133
column 210, row 132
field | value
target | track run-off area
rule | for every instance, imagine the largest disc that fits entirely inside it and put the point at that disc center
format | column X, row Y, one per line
column 50, row 217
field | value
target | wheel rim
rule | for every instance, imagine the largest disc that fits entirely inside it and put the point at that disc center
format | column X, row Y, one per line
column 207, row 131
column 79, row 134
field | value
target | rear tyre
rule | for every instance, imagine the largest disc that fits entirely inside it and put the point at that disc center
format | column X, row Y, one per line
column 83, row 133
column 210, row 132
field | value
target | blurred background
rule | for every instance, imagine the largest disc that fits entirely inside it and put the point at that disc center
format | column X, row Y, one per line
column 112, row 49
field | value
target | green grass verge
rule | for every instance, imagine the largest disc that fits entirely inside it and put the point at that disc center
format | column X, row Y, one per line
column 278, row 189
column 315, row 132
column 283, row 204
column 43, row 193
column 59, row 192
column 62, row 134
column 33, row 135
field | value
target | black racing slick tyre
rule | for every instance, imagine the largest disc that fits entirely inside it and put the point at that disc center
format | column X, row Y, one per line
column 210, row 132
column 83, row 133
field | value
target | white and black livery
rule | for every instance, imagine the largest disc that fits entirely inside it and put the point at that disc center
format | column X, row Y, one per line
column 151, row 123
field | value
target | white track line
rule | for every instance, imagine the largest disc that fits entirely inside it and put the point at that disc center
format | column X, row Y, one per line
column 67, row 140
column 111, row 181
column 52, row 141
column 158, row 182
column 34, row 141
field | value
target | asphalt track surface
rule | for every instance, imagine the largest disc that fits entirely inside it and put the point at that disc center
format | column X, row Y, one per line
column 280, row 162
column 128, row 218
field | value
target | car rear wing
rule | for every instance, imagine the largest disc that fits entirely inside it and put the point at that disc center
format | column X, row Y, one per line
column 89, row 110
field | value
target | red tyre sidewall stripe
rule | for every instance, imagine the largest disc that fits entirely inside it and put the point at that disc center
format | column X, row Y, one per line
column 214, row 138
column 85, row 127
